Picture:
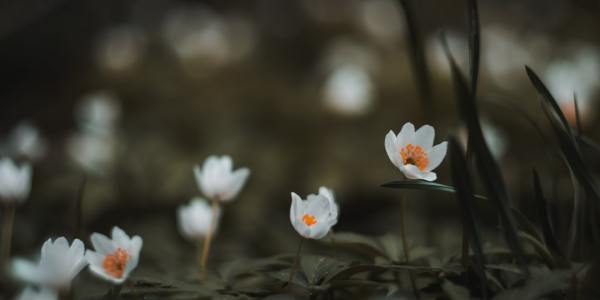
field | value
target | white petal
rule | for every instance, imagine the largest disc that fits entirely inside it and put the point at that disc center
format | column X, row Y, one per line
column 226, row 163
column 436, row 156
column 120, row 238
column 411, row 171
column 424, row 137
column 317, row 206
column 296, row 208
column 238, row 178
column 25, row 270
column 136, row 246
column 99, row 272
column 103, row 244
column 392, row 150
column 94, row 258
column 429, row 176
column 319, row 230
column 406, row 134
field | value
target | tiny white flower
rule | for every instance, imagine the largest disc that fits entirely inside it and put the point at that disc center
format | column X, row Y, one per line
column 59, row 264
column 25, row 141
column 413, row 152
column 93, row 153
column 313, row 218
column 98, row 113
column 217, row 180
column 194, row 219
column 115, row 258
column 349, row 90
column 15, row 182
column 39, row 294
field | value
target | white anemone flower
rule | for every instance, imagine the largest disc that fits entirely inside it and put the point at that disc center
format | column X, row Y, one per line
column 25, row 141
column 413, row 152
column 115, row 258
column 313, row 218
column 349, row 90
column 98, row 113
column 15, row 182
column 59, row 264
column 194, row 219
column 93, row 153
column 217, row 180
column 39, row 294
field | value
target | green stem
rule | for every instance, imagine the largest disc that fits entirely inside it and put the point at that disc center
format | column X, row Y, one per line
column 7, row 231
column 208, row 238
column 403, row 235
column 296, row 262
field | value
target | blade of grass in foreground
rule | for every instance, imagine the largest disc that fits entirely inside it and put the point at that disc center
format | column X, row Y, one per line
column 423, row 185
column 461, row 178
column 544, row 216
column 474, row 43
column 487, row 166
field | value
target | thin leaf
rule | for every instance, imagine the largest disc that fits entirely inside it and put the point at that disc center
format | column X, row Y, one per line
column 487, row 166
column 461, row 177
column 474, row 43
column 423, row 185
column 544, row 215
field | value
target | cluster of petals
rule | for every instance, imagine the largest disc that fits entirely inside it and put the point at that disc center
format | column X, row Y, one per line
column 218, row 181
column 314, row 216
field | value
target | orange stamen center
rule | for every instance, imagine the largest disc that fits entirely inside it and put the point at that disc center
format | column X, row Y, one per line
column 309, row 220
column 414, row 156
column 114, row 264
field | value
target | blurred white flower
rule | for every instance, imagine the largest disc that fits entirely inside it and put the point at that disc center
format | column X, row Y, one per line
column 15, row 182
column 579, row 75
column 37, row 294
column 115, row 258
column 313, row 218
column 217, row 180
column 98, row 113
column 194, row 219
column 59, row 264
column 120, row 48
column 25, row 141
column 381, row 19
column 413, row 152
column 348, row 90
column 94, row 153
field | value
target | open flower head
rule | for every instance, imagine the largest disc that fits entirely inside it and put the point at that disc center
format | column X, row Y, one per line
column 115, row 258
column 40, row 294
column 217, row 180
column 194, row 219
column 15, row 181
column 413, row 152
column 59, row 264
column 313, row 218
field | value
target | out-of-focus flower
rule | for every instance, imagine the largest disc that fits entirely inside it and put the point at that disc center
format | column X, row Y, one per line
column 413, row 152
column 348, row 90
column 15, row 182
column 59, row 264
column 194, row 219
column 25, row 141
column 115, row 258
column 494, row 137
column 120, row 48
column 577, row 76
column 217, row 180
column 37, row 294
column 313, row 218
column 94, row 153
column 381, row 19
column 98, row 113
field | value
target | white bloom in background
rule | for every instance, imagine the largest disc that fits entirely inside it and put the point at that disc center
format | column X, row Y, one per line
column 579, row 75
column 25, row 141
column 413, row 151
column 94, row 153
column 98, row 113
column 194, row 219
column 15, row 182
column 59, row 264
column 313, row 218
column 37, row 294
column 115, row 258
column 349, row 90
column 217, row 180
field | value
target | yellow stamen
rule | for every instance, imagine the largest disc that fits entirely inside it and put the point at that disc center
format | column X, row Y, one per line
column 309, row 220
column 414, row 156
column 114, row 264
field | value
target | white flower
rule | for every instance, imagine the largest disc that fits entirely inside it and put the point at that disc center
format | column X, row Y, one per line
column 25, row 141
column 94, row 153
column 313, row 218
column 194, row 219
column 15, row 182
column 413, row 152
column 39, row 294
column 349, row 90
column 98, row 113
column 218, row 181
column 59, row 264
column 115, row 258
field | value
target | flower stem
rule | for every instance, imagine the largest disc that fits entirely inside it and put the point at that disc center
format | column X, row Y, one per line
column 7, row 230
column 296, row 262
column 79, row 207
column 208, row 238
column 115, row 291
column 405, row 244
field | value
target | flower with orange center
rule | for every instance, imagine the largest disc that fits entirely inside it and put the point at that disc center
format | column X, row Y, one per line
column 314, row 217
column 413, row 151
column 114, row 258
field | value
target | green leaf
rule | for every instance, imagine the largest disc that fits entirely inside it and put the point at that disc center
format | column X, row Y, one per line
column 544, row 216
column 455, row 292
column 360, row 243
column 316, row 268
column 423, row 185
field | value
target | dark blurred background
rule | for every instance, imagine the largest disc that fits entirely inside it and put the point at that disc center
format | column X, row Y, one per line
column 302, row 92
